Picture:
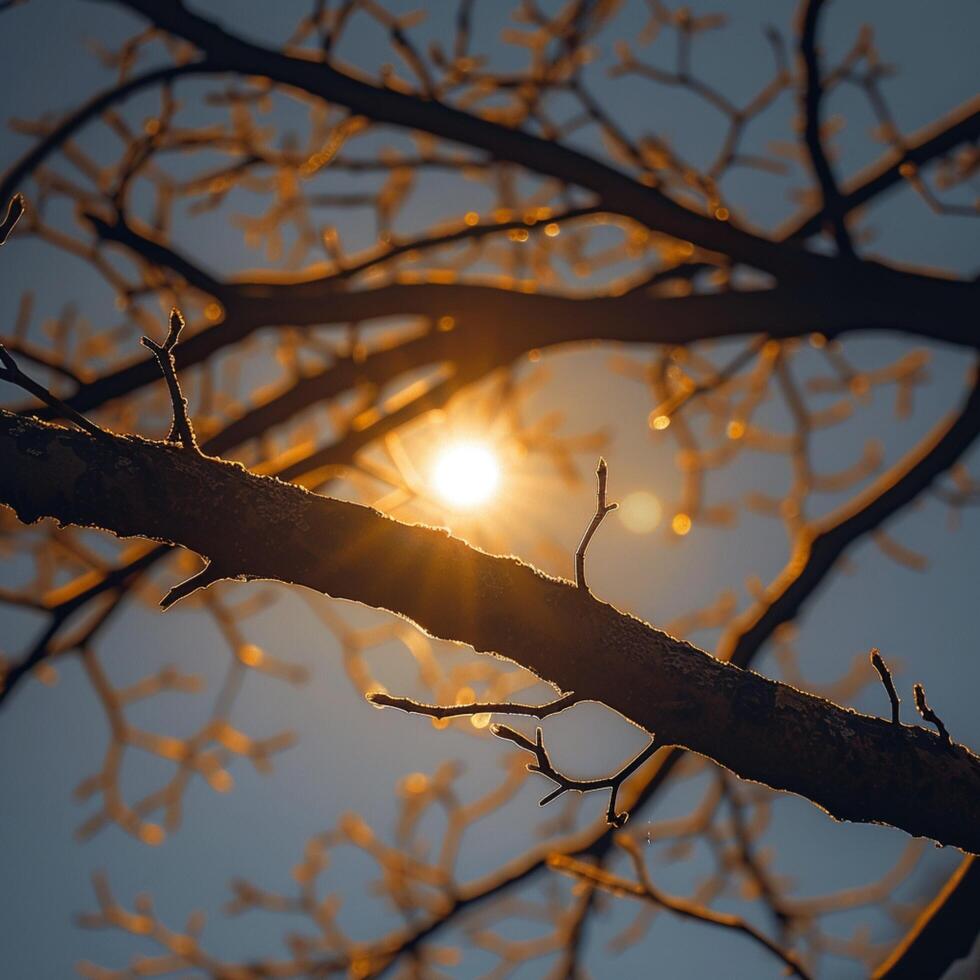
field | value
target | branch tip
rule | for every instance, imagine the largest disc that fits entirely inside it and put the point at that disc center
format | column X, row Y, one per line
column 181, row 429
column 601, row 509
column 200, row 580
column 886, row 679
column 14, row 375
column 929, row 715
column 15, row 211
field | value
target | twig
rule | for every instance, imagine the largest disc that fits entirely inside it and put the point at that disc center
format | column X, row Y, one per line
column 645, row 889
column 601, row 509
column 929, row 715
column 15, row 209
column 544, row 766
column 886, row 678
column 181, row 430
column 382, row 700
column 12, row 373
column 199, row 580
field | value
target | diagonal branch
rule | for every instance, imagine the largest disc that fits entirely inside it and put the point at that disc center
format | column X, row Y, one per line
column 646, row 890
column 96, row 105
column 617, row 190
column 856, row 767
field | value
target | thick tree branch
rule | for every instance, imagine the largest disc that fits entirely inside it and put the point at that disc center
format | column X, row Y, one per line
column 499, row 324
column 854, row 766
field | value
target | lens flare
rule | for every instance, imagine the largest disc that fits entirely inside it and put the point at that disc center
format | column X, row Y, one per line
column 466, row 475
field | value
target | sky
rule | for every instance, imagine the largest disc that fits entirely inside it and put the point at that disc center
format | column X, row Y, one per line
column 349, row 756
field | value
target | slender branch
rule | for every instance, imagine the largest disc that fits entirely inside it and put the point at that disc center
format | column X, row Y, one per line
column 15, row 209
column 601, row 509
column 929, row 715
column 819, row 548
column 812, row 101
column 96, row 105
column 181, row 430
column 543, row 765
column 886, row 678
column 383, row 700
column 11, row 373
column 962, row 125
column 645, row 889
column 207, row 576
column 617, row 190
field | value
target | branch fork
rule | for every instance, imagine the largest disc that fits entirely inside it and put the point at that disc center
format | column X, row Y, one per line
column 544, row 765
column 181, row 430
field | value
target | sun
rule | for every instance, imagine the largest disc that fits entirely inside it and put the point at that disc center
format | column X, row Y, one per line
column 466, row 474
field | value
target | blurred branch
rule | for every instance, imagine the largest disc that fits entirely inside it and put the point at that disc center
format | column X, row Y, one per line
column 944, row 932
column 812, row 101
column 646, row 890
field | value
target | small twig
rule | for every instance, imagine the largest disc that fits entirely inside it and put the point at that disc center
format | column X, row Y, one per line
column 199, row 580
column 543, row 765
column 601, row 509
column 929, row 715
column 646, row 890
column 382, row 700
column 181, row 430
column 886, row 678
column 15, row 210
column 12, row 373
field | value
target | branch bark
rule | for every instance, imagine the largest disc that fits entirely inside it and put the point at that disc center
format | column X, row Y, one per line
column 854, row 766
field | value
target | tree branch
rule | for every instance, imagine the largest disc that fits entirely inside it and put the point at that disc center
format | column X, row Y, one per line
column 943, row 933
column 854, row 766
column 646, row 890
column 601, row 509
column 544, row 765
column 812, row 101
column 75, row 120
column 383, row 700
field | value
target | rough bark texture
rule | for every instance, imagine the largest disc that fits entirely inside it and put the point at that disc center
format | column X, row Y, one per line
column 854, row 766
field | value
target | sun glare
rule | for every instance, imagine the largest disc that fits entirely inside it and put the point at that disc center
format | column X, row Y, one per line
column 466, row 474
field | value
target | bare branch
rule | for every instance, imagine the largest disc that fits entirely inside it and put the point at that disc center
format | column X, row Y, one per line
column 646, row 890
column 15, row 209
column 601, row 509
column 943, row 933
column 181, row 430
column 383, row 700
column 260, row 527
column 543, row 765
column 812, row 100
column 886, row 678
column 929, row 715
column 13, row 374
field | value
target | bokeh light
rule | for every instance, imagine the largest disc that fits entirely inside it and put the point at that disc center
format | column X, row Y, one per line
column 640, row 512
